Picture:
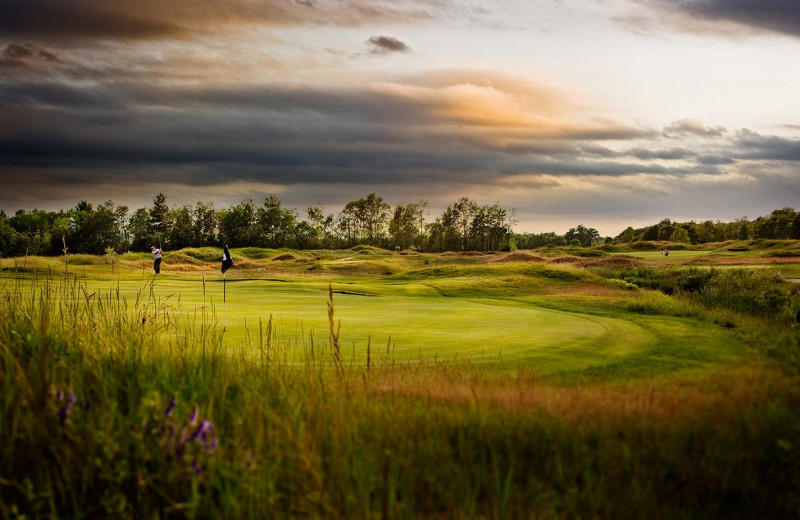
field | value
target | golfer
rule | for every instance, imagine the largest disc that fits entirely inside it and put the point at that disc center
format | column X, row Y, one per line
column 157, row 263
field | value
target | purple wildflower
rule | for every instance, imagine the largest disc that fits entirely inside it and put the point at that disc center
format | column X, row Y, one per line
column 62, row 413
column 212, row 444
column 204, row 429
column 193, row 417
column 170, row 407
column 196, row 467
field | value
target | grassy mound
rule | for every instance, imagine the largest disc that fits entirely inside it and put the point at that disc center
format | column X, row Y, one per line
column 255, row 253
column 612, row 262
column 518, row 256
column 565, row 259
column 645, row 245
column 204, row 254
column 283, row 257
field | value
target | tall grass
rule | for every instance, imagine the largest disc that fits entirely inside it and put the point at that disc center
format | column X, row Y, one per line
column 116, row 408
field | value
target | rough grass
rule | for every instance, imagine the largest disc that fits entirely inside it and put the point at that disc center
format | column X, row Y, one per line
column 87, row 377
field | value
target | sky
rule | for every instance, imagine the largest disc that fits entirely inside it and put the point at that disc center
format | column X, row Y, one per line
column 605, row 113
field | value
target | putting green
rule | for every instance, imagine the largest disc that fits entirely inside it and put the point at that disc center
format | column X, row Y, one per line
column 428, row 326
column 415, row 321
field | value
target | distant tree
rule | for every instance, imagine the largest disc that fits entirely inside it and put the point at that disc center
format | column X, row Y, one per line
column 277, row 224
column 366, row 219
column 782, row 223
column 457, row 220
column 742, row 228
column 586, row 237
column 796, row 226
column 121, row 218
column 407, row 224
column 93, row 231
column 34, row 229
column 182, row 231
column 60, row 229
column 489, row 230
column 238, row 225
column 628, row 235
column 304, row 236
column 534, row 240
column 159, row 217
column 347, row 226
column 691, row 229
column 679, row 234
column 436, row 240
column 708, row 231
column 205, row 224
column 12, row 243
column 323, row 226
column 140, row 230
column 375, row 215
column 665, row 231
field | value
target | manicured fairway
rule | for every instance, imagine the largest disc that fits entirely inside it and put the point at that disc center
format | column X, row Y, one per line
column 676, row 256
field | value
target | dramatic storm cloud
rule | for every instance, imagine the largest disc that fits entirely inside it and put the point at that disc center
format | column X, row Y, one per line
column 557, row 110
column 778, row 16
column 88, row 20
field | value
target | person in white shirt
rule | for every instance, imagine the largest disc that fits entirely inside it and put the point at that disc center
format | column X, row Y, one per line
column 157, row 263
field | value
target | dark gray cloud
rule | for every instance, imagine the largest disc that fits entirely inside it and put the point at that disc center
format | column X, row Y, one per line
column 672, row 154
column 753, row 145
column 776, row 16
column 386, row 45
column 308, row 130
column 712, row 159
column 91, row 20
column 79, row 19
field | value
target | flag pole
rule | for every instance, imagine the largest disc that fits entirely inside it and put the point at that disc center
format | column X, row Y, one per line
column 227, row 263
column 224, row 303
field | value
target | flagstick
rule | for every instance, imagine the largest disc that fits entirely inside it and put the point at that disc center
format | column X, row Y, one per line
column 224, row 303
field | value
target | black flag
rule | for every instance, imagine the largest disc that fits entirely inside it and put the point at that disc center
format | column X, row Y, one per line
column 227, row 261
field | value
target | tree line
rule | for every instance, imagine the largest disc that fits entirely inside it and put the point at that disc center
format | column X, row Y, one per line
column 464, row 225
column 781, row 224
column 111, row 228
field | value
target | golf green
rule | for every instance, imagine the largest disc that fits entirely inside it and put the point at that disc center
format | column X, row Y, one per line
column 430, row 326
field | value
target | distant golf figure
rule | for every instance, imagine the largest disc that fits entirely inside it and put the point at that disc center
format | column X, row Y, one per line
column 157, row 263
column 665, row 252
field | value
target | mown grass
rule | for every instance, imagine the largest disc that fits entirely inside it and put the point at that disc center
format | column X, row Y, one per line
column 692, row 424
